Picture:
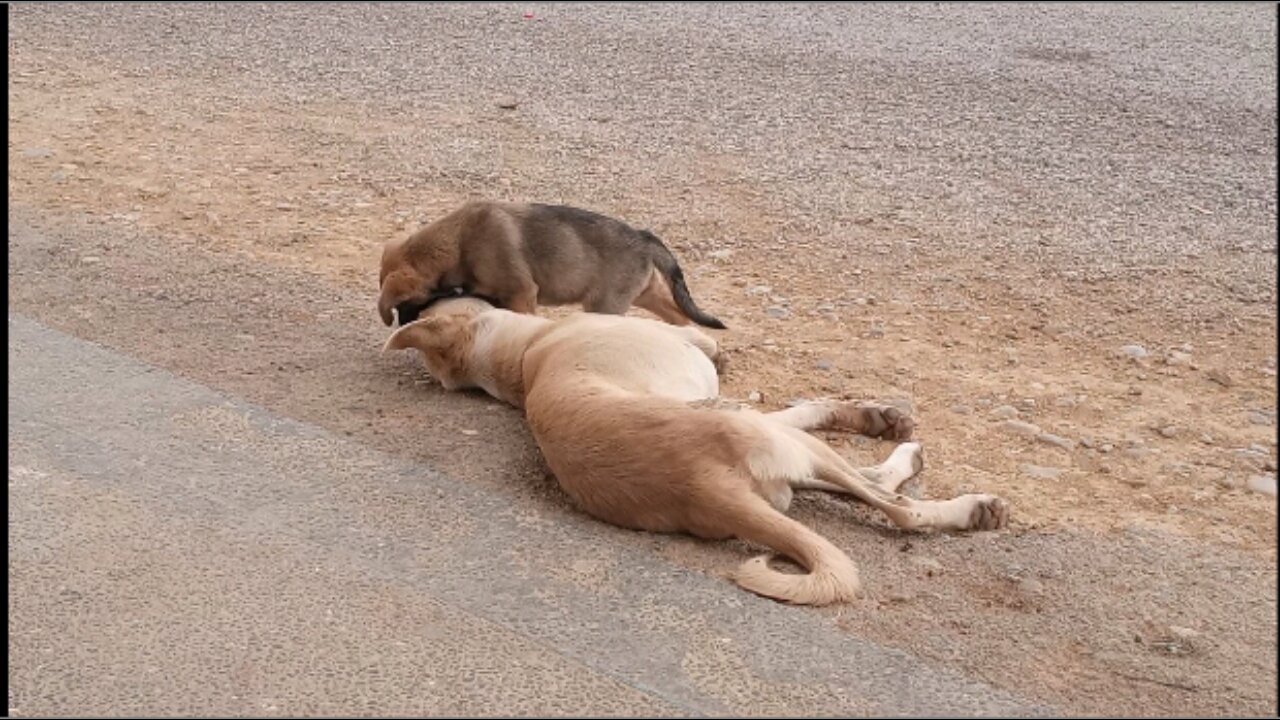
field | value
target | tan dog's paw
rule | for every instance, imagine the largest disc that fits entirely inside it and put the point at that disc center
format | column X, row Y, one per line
column 874, row 420
column 989, row 513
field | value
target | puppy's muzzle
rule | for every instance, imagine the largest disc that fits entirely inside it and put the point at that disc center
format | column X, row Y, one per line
column 409, row 310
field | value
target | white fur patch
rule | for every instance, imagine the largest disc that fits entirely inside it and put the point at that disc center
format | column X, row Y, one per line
column 482, row 343
column 901, row 464
column 779, row 456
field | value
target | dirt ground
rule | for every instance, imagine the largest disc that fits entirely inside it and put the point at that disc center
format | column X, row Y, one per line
column 988, row 301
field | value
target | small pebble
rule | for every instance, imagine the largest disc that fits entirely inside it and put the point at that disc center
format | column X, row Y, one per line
column 754, row 396
column 930, row 566
column 1004, row 412
column 1018, row 427
column 1265, row 484
column 1031, row 586
column 1041, row 472
column 1259, row 417
column 1056, row 440
column 1134, row 351
column 1219, row 377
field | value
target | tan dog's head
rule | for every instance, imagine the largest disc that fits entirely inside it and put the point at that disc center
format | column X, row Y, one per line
column 468, row 343
column 410, row 277
column 446, row 342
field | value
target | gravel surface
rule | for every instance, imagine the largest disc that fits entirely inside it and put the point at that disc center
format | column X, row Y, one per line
column 1109, row 135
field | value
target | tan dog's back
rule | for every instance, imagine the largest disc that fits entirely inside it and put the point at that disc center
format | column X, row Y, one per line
column 636, row 354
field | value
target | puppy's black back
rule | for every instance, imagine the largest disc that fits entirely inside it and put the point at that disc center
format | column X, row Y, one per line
column 599, row 231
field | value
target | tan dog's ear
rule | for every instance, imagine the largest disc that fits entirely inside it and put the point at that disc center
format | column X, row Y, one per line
column 424, row 334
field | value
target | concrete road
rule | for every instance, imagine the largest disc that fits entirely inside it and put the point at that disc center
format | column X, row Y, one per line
column 178, row 551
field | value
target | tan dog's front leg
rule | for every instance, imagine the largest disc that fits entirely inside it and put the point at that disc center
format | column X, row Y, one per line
column 870, row 419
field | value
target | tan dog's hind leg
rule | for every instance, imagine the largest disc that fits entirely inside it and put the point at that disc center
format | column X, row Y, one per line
column 903, row 463
column 865, row 418
column 834, row 473
column 870, row 419
column 967, row 512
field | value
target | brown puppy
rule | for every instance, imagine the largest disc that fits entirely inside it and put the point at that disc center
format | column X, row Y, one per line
column 626, row 412
column 520, row 255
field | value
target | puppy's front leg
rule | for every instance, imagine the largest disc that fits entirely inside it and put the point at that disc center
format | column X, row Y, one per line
column 525, row 300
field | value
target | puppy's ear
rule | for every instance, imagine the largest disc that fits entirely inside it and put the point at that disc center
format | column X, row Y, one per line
column 384, row 309
column 425, row 334
column 396, row 287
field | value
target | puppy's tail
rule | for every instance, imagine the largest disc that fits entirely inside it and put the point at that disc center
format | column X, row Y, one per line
column 832, row 576
column 667, row 265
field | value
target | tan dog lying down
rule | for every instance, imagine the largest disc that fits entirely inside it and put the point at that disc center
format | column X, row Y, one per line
column 625, row 410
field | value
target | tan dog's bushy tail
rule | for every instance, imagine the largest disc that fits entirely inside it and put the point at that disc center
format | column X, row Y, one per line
column 832, row 576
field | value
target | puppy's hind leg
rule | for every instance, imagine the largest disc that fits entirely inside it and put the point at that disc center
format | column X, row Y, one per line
column 657, row 299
